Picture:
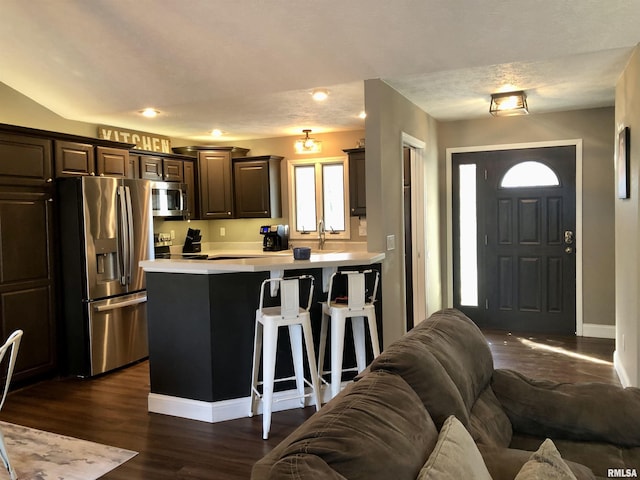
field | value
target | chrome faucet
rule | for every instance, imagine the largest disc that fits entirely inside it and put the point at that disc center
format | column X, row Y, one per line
column 321, row 234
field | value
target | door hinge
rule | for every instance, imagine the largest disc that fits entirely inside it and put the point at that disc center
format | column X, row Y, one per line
column 486, row 240
column 485, row 173
column 486, row 304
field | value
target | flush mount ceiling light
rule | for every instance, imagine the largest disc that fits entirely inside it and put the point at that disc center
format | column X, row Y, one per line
column 320, row 94
column 149, row 112
column 509, row 103
column 307, row 144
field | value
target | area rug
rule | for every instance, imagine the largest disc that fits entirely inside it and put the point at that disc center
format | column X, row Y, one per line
column 38, row 455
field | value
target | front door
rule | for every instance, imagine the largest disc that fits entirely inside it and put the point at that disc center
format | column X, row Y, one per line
column 514, row 238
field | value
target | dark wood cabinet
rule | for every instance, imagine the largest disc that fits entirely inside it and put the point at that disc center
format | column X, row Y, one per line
column 155, row 167
column 25, row 161
column 76, row 158
column 27, row 281
column 73, row 158
column 215, row 187
column 134, row 166
column 112, row 162
column 189, row 172
column 357, row 181
column 150, row 167
column 173, row 170
column 256, row 186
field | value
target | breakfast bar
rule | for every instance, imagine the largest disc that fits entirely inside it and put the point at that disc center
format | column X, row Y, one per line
column 201, row 317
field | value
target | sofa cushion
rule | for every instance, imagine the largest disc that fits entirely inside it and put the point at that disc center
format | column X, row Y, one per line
column 594, row 412
column 454, row 456
column 505, row 463
column 488, row 423
column 379, row 429
column 546, row 463
column 598, row 456
column 446, row 360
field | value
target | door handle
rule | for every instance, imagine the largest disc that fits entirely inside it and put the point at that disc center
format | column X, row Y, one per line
column 568, row 237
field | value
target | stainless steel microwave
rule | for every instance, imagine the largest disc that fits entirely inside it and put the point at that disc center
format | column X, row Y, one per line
column 169, row 199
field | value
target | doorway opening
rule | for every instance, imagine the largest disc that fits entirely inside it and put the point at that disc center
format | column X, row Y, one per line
column 414, row 228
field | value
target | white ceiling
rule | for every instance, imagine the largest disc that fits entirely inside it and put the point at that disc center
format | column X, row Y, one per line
column 247, row 66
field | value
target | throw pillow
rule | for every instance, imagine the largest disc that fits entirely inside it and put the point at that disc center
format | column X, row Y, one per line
column 454, row 456
column 546, row 464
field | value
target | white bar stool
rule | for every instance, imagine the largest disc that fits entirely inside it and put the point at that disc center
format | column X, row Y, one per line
column 268, row 320
column 356, row 306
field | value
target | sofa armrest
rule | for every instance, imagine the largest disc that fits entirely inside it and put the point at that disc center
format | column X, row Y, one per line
column 574, row 411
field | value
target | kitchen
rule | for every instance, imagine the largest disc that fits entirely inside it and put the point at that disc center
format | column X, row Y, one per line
column 48, row 158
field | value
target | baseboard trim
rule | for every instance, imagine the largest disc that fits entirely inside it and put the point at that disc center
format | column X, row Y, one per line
column 620, row 370
column 598, row 331
column 213, row 412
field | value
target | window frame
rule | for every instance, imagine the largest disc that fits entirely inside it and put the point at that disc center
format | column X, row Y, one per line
column 318, row 163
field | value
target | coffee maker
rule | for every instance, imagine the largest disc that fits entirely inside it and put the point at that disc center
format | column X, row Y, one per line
column 276, row 237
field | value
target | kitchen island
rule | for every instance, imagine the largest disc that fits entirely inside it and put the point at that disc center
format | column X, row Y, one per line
column 201, row 317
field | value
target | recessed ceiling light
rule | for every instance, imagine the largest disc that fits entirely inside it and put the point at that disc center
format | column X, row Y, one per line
column 363, row 115
column 149, row 112
column 216, row 132
column 320, row 94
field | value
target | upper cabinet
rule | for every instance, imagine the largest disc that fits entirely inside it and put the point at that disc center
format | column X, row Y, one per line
column 229, row 184
column 256, row 186
column 76, row 158
column 155, row 167
column 215, row 183
column 112, row 162
column 25, row 160
column 357, row 182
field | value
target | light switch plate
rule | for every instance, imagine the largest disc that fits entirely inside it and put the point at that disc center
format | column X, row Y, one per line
column 391, row 242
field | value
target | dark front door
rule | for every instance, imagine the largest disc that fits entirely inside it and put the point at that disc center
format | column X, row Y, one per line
column 524, row 239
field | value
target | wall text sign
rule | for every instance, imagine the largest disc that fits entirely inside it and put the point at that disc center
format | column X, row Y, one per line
column 143, row 141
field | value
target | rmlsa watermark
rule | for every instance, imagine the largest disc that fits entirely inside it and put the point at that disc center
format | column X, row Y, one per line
column 622, row 473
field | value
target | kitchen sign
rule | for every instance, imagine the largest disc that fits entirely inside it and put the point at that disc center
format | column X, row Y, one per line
column 143, row 141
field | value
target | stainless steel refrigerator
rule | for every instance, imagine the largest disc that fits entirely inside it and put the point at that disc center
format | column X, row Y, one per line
column 106, row 230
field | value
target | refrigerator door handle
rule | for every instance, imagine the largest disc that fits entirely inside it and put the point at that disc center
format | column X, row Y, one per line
column 117, row 305
column 124, row 234
column 130, row 233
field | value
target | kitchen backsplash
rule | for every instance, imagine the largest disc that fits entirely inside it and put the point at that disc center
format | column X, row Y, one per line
column 235, row 230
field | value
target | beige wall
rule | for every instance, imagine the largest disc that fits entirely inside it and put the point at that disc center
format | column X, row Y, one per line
column 19, row 110
column 627, row 231
column 389, row 115
column 594, row 127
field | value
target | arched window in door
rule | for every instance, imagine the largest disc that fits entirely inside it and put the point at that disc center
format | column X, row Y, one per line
column 529, row 174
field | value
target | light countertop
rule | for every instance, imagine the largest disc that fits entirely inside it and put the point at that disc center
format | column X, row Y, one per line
column 258, row 261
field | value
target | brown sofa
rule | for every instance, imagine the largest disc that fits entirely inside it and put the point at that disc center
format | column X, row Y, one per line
column 387, row 423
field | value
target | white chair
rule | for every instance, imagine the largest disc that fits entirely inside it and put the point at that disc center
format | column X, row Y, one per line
column 11, row 345
column 356, row 306
column 268, row 321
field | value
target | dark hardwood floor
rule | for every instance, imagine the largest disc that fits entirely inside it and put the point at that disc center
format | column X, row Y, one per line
column 112, row 409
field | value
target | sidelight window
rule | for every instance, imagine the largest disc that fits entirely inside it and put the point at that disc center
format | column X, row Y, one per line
column 468, row 236
column 318, row 191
